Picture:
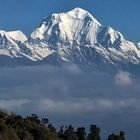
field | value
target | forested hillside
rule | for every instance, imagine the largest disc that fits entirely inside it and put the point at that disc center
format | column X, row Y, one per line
column 16, row 127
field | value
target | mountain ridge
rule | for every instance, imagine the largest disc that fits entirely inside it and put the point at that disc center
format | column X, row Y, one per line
column 75, row 37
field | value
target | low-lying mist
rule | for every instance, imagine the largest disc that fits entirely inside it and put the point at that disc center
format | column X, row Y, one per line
column 68, row 95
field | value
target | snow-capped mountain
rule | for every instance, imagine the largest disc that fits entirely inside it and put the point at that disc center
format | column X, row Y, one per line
column 74, row 27
column 12, row 46
column 75, row 37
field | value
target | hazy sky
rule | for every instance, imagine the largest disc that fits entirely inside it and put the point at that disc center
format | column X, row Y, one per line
column 122, row 15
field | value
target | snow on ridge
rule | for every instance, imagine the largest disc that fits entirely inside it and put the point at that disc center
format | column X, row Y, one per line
column 79, row 33
column 71, row 26
column 81, row 13
column 17, row 35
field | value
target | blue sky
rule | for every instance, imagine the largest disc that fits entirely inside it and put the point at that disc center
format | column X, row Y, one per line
column 26, row 15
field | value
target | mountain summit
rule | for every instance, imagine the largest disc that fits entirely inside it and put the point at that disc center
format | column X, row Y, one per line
column 74, row 27
column 71, row 37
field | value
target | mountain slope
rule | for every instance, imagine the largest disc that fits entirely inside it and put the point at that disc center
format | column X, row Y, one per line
column 75, row 36
column 74, row 27
column 17, row 35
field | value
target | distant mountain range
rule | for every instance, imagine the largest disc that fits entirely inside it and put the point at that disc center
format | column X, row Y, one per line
column 72, row 37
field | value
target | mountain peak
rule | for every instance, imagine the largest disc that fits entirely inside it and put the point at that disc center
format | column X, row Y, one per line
column 76, row 26
column 78, row 10
column 74, row 36
column 81, row 14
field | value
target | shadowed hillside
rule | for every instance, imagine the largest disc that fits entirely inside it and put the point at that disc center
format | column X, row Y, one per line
column 16, row 127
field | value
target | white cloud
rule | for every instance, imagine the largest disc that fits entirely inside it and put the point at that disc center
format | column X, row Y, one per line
column 73, row 69
column 123, row 78
column 77, row 106
column 13, row 103
column 89, row 106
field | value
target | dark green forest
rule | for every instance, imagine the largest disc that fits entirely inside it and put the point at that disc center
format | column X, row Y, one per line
column 16, row 127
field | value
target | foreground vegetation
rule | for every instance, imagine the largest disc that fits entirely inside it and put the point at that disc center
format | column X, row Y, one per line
column 16, row 127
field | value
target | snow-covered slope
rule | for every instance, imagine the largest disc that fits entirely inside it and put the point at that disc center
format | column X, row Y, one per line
column 74, row 27
column 13, row 47
column 75, row 36
column 17, row 35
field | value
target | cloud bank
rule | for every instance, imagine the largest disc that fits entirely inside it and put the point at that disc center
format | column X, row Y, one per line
column 63, row 94
column 123, row 78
